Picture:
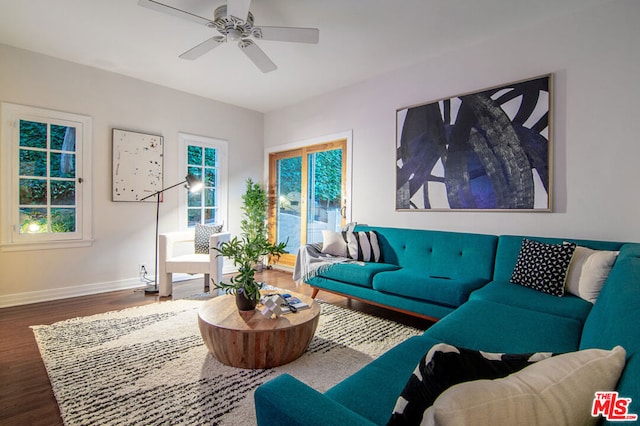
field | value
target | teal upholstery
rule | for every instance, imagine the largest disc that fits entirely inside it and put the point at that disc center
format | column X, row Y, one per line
column 509, row 247
column 507, row 293
column 615, row 320
column 497, row 317
column 426, row 272
column 415, row 283
column 356, row 273
column 402, row 360
column 494, row 327
column 420, row 307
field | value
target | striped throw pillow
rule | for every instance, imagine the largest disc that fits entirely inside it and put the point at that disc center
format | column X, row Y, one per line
column 363, row 246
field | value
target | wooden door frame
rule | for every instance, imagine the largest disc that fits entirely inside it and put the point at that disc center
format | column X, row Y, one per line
column 303, row 152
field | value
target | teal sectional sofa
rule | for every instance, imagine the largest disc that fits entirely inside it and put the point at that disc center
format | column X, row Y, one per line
column 484, row 311
column 425, row 273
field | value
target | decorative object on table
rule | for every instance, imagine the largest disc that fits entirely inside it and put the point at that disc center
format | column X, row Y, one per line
column 488, row 150
column 249, row 250
column 137, row 165
column 234, row 23
column 193, row 184
column 165, row 373
column 272, row 305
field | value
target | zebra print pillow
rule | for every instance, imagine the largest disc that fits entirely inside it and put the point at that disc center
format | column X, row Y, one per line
column 446, row 365
column 363, row 246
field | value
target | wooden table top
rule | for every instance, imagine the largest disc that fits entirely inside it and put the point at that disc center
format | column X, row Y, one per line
column 222, row 312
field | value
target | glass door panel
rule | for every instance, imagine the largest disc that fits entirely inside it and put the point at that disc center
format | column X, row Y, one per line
column 288, row 194
column 324, row 191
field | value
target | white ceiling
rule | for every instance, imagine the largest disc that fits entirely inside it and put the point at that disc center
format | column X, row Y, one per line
column 359, row 39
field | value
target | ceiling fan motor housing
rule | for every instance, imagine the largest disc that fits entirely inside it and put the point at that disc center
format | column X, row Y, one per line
column 233, row 27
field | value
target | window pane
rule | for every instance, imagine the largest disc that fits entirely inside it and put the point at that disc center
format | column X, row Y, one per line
column 33, row 191
column 209, row 177
column 325, row 189
column 63, row 193
column 210, row 159
column 33, row 221
column 209, row 197
column 194, row 216
column 194, row 155
column 195, row 199
column 63, row 220
column 63, row 165
column 63, row 138
column 210, row 216
column 196, row 171
column 33, row 134
column 33, row 163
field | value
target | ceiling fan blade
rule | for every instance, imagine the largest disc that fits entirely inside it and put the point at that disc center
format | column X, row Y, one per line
column 297, row 35
column 238, row 8
column 257, row 56
column 202, row 48
column 170, row 10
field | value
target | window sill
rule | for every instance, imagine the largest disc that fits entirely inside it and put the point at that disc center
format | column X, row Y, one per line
column 46, row 245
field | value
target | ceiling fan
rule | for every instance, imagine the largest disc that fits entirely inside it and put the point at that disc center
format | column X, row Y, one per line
column 235, row 23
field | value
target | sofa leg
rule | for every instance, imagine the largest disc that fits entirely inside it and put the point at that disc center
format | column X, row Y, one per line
column 206, row 282
column 315, row 292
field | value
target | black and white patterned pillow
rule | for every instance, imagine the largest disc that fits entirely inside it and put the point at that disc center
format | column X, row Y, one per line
column 203, row 233
column 363, row 246
column 446, row 365
column 542, row 266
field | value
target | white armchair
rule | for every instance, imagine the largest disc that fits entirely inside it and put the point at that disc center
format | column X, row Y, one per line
column 191, row 263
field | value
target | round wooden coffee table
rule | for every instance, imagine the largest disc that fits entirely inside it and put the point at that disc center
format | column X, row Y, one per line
column 251, row 340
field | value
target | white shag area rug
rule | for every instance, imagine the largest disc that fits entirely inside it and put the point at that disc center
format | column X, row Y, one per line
column 148, row 365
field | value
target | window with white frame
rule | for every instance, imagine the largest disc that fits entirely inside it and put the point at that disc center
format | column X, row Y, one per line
column 205, row 158
column 46, row 192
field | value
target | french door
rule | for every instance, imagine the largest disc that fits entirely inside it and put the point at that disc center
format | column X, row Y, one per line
column 307, row 194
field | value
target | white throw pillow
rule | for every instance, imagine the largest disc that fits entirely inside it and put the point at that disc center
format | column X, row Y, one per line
column 334, row 243
column 588, row 271
column 555, row 391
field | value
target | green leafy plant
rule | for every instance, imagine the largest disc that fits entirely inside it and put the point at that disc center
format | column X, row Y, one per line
column 248, row 250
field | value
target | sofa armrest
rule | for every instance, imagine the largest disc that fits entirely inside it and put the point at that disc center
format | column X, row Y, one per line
column 287, row 401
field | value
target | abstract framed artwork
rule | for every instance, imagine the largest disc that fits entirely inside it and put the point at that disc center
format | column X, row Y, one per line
column 487, row 150
column 137, row 165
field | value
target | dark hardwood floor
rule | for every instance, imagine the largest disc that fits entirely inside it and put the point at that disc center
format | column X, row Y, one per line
column 26, row 397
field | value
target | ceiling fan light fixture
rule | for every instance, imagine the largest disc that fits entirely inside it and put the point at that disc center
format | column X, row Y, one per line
column 234, row 34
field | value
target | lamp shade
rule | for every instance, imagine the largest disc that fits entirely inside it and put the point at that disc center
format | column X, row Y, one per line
column 193, row 183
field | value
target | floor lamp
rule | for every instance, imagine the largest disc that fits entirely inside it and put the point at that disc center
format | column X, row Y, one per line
column 193, row 184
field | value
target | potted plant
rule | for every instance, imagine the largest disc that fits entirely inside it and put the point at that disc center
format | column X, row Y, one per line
column 248, row 250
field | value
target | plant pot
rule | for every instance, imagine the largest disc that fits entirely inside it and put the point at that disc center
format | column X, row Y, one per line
column 243, row 303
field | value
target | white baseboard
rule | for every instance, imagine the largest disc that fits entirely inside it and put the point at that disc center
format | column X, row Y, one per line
column 26, row 298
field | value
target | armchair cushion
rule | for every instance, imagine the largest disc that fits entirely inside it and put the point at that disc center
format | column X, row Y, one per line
column 202, row 235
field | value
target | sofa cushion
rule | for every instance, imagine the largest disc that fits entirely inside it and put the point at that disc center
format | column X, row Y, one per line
column 494, row 327
column 372, row 391
column 417, row 284
column 506, row 293
column 557, row 390
column 357, row 273
column 445, row 365
column 542, row 266
column 588, row 271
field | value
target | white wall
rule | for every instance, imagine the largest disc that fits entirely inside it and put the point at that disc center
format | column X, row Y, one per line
column 123, row 232
column 595, row 58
